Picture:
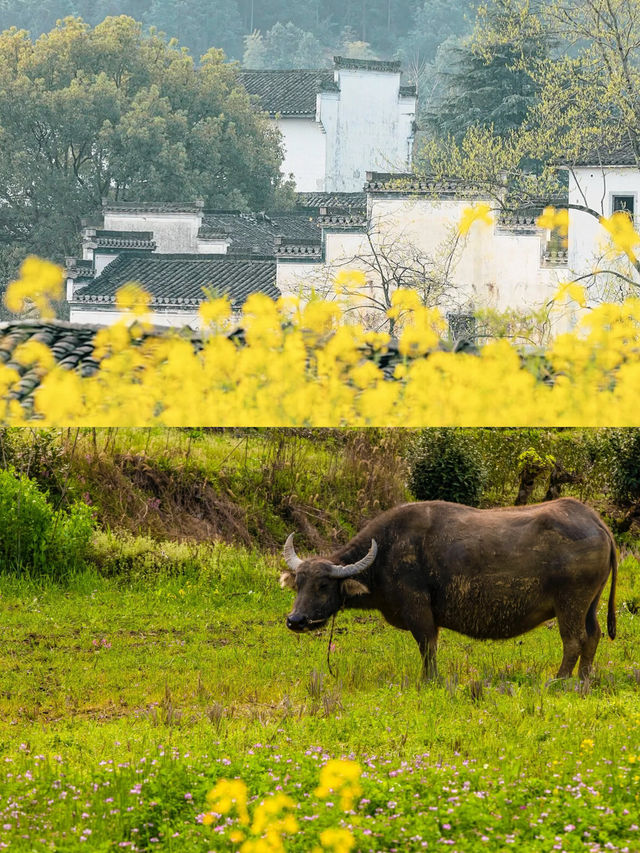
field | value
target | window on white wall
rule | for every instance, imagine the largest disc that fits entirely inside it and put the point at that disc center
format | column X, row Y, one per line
column 624, row 204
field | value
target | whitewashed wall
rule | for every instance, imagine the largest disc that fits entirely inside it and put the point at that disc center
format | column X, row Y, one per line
column 173, row 232
column 212, row 247
column 304, row 152
column 595, row 188
column 102, row 259
column 300, row 277
column 491, row 268
column 94, row 316
column 368, row 127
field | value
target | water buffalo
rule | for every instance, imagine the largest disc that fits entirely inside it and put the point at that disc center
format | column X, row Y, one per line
column 486, row 573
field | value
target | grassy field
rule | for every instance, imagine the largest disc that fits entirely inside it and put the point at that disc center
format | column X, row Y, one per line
column 123, row 701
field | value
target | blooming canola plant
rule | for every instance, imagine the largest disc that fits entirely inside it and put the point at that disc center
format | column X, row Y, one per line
column 302, row 365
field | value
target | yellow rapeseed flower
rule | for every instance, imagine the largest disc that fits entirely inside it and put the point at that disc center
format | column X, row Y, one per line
column 349, row 282
column 480, row 212
column 40, row 283
column 227, row 795
column 554, row 220
column 570, row 290
column 34, row 353
column 214, row 312
column 337, row 840
column 402, row 300
column 133, row 300
column 340, row 777
column 273, row 816
column 623, row 235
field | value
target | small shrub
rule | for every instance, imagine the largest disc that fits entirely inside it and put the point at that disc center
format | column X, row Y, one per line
column 446, row 466
column 626, row 466
column 36, row 538
column 40, row 454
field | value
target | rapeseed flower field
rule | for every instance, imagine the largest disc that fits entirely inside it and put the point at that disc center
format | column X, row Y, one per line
column 302, row 365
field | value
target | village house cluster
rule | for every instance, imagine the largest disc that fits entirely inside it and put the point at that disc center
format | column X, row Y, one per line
column 348, row 136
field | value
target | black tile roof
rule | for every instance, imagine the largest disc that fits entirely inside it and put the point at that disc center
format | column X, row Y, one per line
column 178, row 280
column 287, row 93
column 618, row 155
column 121, row 239
column 427, row 185
column 70, row 344
column 385, row 65
column 257, row 232
column 152, row 206
column 339, row 200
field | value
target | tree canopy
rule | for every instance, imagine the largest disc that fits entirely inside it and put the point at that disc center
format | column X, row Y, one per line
column 109, row 112
column 586, row 109
column 386, row 25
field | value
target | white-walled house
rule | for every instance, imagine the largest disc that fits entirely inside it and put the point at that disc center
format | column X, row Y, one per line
column 339, row 124
column 604, row 183
column 176, row 251
column 506, row 265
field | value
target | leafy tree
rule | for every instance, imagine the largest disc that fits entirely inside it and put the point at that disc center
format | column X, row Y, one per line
column 111, row 113
column 434, row 21
column 284, row 46
column 199, row 25
column 587, row 106
column 481, row 88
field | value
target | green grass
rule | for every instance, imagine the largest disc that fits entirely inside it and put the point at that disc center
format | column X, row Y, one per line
column 122, row 702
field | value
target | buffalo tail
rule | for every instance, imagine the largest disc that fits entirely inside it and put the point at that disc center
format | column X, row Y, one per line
column 611, row 612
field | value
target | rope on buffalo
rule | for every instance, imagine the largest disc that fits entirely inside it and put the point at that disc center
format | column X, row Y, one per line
column 333, row 622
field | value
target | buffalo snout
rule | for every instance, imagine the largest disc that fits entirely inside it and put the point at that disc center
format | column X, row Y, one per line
column 297, row 622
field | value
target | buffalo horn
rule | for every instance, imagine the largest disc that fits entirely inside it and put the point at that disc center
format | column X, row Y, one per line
column 290, row 556
column 356, row 568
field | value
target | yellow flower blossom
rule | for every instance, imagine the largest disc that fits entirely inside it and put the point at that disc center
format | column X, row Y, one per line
column 480, row 212
column 340, row 777
column 133, row 300
column 307, row 367
column 229, row 795
column 571, row 291
column 554, row 220
column 34, row 352
column 623, row 235
column 403, row 299
column 349, row 282
column 214, row 312
column 273, row 816
column 40, row 283
column 337, row 840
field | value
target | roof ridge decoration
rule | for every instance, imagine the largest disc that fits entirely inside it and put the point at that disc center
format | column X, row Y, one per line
column 99, row 238
column 428, row 185
column 383, row 65
column 194, row 257
column 75, row 268
column 109, row 232
column 342, row 200
column 109, row 206
column 346, row 217
column 287, row 247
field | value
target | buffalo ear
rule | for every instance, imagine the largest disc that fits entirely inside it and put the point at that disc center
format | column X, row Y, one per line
column 288, row 580
column 354, row 587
